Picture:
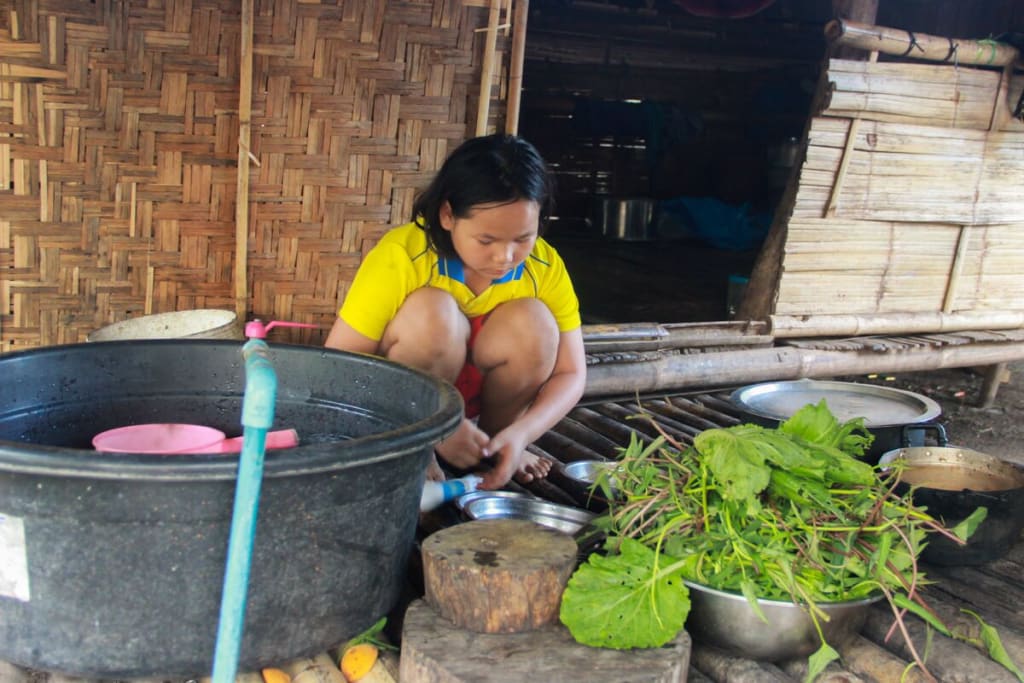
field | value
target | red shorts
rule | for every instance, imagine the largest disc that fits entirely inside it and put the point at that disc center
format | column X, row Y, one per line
column 470, row 381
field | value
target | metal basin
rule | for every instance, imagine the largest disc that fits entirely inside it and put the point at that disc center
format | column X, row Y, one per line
column 560, row 517
column 727, row 621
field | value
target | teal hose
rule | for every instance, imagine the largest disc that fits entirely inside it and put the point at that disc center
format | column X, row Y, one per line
column 257, row 418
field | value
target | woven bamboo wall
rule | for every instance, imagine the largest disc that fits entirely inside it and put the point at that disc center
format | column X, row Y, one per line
column 119, row 129
column 908, row 200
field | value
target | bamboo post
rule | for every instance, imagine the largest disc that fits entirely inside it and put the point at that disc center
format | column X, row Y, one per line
column 844, row 162
column 958, row 266
column 1000, row 106
column 515, row 78
column 242, row 186
column 487, row 69
column 892, row 41
column 995, row 375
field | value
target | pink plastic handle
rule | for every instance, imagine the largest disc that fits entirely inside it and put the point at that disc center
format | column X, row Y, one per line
column 281, row 438
column 255, row 329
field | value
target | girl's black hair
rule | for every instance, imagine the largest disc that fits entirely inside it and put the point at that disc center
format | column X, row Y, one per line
column 492, row 169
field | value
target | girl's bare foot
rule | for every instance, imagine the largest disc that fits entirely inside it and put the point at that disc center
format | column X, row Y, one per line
column 531, row 467
column 434, row 471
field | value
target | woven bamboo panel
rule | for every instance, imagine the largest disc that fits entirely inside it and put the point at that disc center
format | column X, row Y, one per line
column 119, row 130
column 895, row 218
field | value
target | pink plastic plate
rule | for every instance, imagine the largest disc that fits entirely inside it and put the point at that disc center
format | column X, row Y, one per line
column 164, row 438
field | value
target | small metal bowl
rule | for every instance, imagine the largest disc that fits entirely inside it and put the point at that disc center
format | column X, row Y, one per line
column 586, row 472
column 560, row 517
column 727, row 621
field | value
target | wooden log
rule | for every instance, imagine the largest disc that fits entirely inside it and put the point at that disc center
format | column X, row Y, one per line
column 593, row 442
column 898, row 42
column 609, row 428
column 876, row 663
column 497, row 575
column 947, row 659
column 833, row 673
column 320, row 668
column 566, row 449
column 787, row 327
column 720, row 666
column 434, row 650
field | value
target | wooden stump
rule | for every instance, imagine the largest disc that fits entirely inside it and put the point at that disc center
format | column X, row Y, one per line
column 436, row 651
column 498, row 575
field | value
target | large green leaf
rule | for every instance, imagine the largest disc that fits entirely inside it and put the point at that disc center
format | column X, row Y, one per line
column 624, row 601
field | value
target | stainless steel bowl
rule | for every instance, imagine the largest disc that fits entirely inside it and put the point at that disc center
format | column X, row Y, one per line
column 465, row 499
column 586, row 472
column 560, row 517
column 727, row 621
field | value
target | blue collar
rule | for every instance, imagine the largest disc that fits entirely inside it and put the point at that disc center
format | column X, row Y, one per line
column 452, row 267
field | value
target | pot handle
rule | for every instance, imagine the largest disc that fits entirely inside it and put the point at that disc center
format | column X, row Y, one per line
column 940, row 433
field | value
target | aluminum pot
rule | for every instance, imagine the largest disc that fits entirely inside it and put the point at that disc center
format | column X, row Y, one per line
column 952, row 482
column 627, row 219
column 113, row 563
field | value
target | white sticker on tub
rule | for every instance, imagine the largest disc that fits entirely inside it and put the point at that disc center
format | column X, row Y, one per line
column 13, row 558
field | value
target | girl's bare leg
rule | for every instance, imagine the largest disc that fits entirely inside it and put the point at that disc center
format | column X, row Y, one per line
column 430, row 333
column 515, row 350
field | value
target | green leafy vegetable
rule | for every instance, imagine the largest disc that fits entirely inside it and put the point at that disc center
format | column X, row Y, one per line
column 623, row 600
column 786, row 514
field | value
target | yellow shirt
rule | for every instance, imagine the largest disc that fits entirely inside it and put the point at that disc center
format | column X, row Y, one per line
column 402, row 263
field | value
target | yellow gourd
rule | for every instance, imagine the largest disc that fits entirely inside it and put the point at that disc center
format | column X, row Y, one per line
column 271, row 675
column 357, row 660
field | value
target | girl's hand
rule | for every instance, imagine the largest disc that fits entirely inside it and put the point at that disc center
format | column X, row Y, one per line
column 465, row 448
column 508, row 453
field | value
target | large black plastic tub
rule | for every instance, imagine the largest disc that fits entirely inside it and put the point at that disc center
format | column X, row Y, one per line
column 112, row 564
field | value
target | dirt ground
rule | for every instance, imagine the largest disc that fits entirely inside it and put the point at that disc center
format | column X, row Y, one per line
column 997, row 430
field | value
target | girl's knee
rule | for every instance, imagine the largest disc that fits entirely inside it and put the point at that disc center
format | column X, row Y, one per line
column 522, row 332
column 429, row 332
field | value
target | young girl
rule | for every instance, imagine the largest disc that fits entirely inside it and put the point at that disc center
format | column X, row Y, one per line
column 469, row 292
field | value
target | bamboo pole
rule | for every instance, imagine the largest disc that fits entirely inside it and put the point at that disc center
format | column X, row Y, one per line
column 788, row 327
column 242, row 186
column 515, row 76
column 487, row 69
column 957, row 268
column 892, row 41
column 864, row 11
column 730, row 368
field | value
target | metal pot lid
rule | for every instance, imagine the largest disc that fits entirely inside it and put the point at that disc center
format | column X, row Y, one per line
column 879, row 406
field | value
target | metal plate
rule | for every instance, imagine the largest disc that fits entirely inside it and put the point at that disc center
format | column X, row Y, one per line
column 879, row 406
column 560, row 517
column 465, row 499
